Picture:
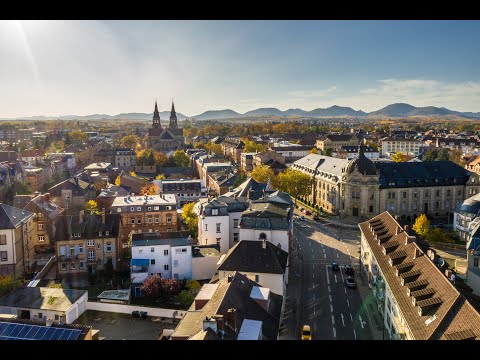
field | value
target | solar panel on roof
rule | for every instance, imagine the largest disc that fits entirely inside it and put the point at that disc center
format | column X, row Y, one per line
column 10, row 331
column 40, row 334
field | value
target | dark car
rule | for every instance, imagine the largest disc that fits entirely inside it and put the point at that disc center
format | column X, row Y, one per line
column 307, row 212
column 335, row 266
column 316, row 217
column 349, row 270
column 350, row 282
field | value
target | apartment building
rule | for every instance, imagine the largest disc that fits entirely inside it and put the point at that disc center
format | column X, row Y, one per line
column 404, row 146
column 185, row 190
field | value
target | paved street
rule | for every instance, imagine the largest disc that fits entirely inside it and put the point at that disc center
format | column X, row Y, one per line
column 318, row 296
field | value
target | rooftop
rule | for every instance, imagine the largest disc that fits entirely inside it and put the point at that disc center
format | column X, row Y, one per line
column 123, row 295
column 250, row 330
column 42, row 298
column 165, row 199
column 11, row 217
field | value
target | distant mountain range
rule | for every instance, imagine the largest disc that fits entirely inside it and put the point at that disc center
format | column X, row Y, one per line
column 393, row 110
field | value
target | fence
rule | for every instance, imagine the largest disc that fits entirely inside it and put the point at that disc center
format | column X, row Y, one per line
column 128, row 309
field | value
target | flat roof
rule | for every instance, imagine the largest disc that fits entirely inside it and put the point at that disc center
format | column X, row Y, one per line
column 206, row 292
column 123, row 295
column 250, row 330
column 166, row 199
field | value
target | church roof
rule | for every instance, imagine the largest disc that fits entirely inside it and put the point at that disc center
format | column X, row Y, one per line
column 166, row 135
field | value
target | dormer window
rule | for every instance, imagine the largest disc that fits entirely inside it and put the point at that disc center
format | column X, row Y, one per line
column 139, row 208
column 132, row 208
column 76, row 235
column 107, row 233
column 149, row 208
column 214, row 211
column 99, row 233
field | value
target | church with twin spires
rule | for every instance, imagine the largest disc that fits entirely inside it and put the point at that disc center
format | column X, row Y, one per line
column 168, row 138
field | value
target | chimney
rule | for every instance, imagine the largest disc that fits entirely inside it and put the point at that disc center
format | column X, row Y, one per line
column 211, row 323
column 80, row 216
column 76, row 180
column 103, row 215
column 46, row 197
column 49, row 322
column 230, row 278
column 264, row 244
column 416, row 253
column 397, row 230
column 231, row 320
column 409, row 239
column 220, row 323
column 405, row 227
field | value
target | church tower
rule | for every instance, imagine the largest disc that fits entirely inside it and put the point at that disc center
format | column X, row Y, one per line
column 156, row 118
column 173, row 118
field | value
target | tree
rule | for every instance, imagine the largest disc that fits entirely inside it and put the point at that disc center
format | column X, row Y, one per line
column 160, row 177
column 132, row 173
column 443, row 155
column 431, row 155
column 313, row 151
column 8, row 283
column 185, row 298
column 262, row 173
column 158, row 288
column 181, row 159
column 421, row 226
column 149, row 189
column 109, row 269
column 294, row 182
column 397, row 157
column 190, row 218
column 194, row 286
column 214, row 148
column 118, row 180
column 130, row 141
column 456, row 155
column 328, row 152
column 240, row 179
column 77, row 135
column 92, row 207
column 199, row 145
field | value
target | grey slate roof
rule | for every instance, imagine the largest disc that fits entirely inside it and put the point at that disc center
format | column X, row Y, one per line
column 90, row 227
column 10, row 217
column 326, row 164
column 249, row 256
column 265, row 215
column 470, row 205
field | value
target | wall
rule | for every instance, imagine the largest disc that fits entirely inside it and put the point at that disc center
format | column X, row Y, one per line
column 184, row 262
column 77, row 309
column 127, row 309
column 203, row 268
column 210, row 236
column 274, row 282
column 273, row 236
column 232, row 230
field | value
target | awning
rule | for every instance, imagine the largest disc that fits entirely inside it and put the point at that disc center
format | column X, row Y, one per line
column 140, row 262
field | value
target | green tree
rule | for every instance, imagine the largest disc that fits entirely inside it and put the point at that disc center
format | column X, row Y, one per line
column 190, row 218
column 328, row 152
column 130, row 141
column 431, row 155
column 262, row 173
column 8, row 283
column 77, row 135
column 313, row 151
column 240, row 179
column 181, row 159
column 456, row 155
column 421, row 226
column 397, row 157
column 443, row 155
column 91, row 207
column 185, row 298
column 214, row 148
column 294, row 182
column 109, row 269
column 194, row 286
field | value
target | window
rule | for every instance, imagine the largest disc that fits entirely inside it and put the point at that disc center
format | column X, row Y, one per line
column 257, row 278
column 404, row 194
column 459, row 191
column 90, row 243
column 415, row 195
column 91, row 254
column 448, row 192
column 99, row 233
column 437, row 204
column 76, row 235
column 184, row 250
column 218, row 241
column 109, row 247
column 218, row 227
column 149, row 220
column 152, row 261
column 370, row 209
column 235, row 237
column 64, row 266
column 155, row 208
column 165, row 267
column 169, row 219
column 156, row 219
column 57, row 317
column 107, row 233
column 132, row 221
column 139, row 208
column 40, row 226
column 372, row 196
column 404, row 206
column 72, row 266
column 414, row 205
column 3, row 239
column 235, row 223
column 206, row 227
column 99, row 246
column 149, row 208
column 175, row 263
column 475, row 262
column 152, row 249
column 132, row 208
column 139, row 220
column 165, row 252
column 437, row 193
column 80, row 248
column 40, row 315
column 427, row 193
column 214, row 211
column 356, row 195
column 119, row 209
column 41, row 238
column 169, row 229
column 169, row 208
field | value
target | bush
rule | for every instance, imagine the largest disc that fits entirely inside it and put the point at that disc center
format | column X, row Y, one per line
column 185, row 298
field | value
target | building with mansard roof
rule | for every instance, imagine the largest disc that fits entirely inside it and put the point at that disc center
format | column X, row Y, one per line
column 168, row 138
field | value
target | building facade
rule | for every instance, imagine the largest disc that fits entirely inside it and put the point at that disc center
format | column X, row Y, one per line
column 336, row 141
column 404, row 146
column 165, row 139
column 185, row 191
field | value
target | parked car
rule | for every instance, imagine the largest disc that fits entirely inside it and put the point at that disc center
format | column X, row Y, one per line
column 349, row 270
column 335, row 266
column 307, row 212
column 350, row 282
column 301, row 218
column 306, row 333
column 316, row 217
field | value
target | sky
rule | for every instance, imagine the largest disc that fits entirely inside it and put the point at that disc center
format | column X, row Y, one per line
column 54, row 68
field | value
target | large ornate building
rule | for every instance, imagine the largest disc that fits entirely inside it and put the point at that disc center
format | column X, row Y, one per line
column 363, row 188
column 165, row 139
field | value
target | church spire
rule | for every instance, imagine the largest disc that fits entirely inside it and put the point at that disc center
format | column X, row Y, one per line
column 156, row 117
column 173, row 118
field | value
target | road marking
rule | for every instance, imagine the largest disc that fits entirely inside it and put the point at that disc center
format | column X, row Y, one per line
column 361, row 321
column 313, row 310
column 312, row 249
column 315, row 326
column 333, row 320
column 330, row 298
column 335, row 275
column 331, row 310
column 355, row 334
column 329, row 288
column 325, row 256
column 351, row 318
column 334, row 332
column 341, row 273
column 328, row 279
column 313, row 296
column 313, row 275
column 313, row 267
column 313, row 256
column 324, row 251
column 345, row 290
column 337, row 254
column 343, row 321
column 348, row 303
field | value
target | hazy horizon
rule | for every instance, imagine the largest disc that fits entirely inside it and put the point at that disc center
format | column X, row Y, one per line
column 59, row 68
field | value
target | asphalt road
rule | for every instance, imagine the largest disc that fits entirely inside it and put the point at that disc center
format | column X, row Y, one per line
column 318, row 296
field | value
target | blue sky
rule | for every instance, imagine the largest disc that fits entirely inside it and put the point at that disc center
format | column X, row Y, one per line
column 56, row 68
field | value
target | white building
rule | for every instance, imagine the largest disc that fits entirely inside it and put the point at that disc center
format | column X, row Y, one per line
column 292, row 151
column 464, row 216
column 63, row 305
column 186, row 191
column 351, row 152
column 218, row 221
column 205, row 261
column 405, row 146
column 415, row 299
column 166, row 254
